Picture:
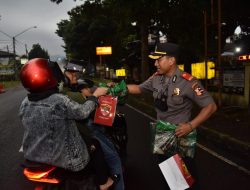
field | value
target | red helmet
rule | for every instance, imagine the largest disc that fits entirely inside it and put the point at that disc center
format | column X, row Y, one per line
column 37, row 76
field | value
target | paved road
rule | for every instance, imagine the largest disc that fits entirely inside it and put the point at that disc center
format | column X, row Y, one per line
column 142, row 172
column 11, row 132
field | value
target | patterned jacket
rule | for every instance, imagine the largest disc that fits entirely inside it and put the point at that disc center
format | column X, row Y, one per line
column 50, row 132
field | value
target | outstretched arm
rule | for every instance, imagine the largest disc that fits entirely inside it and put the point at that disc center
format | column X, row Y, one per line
column 134, row 89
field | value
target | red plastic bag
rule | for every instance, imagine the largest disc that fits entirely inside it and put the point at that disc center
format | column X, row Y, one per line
column 105, row 113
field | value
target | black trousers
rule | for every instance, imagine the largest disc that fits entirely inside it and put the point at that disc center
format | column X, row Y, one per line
column 97, row 161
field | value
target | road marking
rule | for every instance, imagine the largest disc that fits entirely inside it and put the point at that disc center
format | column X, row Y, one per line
column 146, row 115
column 201, row 146
column 223, row 159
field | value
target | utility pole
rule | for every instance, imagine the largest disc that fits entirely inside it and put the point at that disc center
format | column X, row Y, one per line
column 26, row 50
column 8, row 53
column 219, row 56
column 212, row 11
column 14, row 47
column 205, row 44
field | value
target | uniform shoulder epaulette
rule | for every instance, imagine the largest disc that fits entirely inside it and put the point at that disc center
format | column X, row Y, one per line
column 187, row 76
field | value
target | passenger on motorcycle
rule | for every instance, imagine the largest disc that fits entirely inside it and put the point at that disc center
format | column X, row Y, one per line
column 49, row 120
column 73, row 88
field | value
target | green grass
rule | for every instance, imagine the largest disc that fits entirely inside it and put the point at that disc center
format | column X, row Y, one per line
column 10, row 84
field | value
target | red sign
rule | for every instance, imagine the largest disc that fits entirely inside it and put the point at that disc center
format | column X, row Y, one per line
column 105, row 113
column 244, row 57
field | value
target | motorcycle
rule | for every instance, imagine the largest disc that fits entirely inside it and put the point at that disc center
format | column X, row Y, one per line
column 48, row 177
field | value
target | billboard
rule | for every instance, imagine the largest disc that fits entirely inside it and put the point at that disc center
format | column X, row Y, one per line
column 120, row 72
column 107, row 50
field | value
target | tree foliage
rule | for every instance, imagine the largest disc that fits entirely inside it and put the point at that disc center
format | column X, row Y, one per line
column 38, row 52
column 108, row 22
column 87, row 28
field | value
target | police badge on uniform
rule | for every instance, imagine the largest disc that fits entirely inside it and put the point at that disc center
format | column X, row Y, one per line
column 176, row 92
column 197, row 89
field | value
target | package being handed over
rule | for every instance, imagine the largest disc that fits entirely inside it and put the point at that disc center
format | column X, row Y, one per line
column 105, row 113
column 166, row 142
column 120, row 90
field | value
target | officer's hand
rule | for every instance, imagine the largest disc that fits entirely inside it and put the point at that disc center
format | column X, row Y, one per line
column 100, row 91
column 182, row 129
column 110, row 84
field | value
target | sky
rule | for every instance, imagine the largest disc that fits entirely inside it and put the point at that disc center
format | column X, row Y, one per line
column 19, row 15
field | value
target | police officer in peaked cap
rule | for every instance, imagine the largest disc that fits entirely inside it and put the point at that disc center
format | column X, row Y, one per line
column 174, row 92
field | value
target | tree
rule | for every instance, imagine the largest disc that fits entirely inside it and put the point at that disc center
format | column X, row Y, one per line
column 109, row 21
column 102, row 22
column 90, row 25
column 38, row 52
column 141, row 12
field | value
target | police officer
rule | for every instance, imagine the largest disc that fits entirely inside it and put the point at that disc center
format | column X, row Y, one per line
column 174, row 92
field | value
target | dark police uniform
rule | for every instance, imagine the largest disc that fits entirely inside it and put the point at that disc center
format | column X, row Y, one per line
column 174, row 96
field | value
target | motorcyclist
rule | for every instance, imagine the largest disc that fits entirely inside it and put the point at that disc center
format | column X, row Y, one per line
column 49, row 120
column 87, row 128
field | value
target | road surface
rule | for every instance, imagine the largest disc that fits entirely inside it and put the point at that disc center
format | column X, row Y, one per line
column 142, row 171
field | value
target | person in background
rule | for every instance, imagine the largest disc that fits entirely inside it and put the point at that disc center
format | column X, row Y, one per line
column 49, row 120
column 86, row 127
column 174, row 92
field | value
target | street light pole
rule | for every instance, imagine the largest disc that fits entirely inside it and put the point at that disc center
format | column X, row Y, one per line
column 14, row 39
column 14, row 43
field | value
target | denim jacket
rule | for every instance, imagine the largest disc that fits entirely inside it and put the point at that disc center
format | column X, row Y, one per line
column 50, row 132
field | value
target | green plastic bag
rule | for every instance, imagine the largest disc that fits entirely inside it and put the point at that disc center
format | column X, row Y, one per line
column 167, row 143
column 120, row 90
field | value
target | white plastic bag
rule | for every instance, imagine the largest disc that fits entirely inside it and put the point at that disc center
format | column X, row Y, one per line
column 176, row 173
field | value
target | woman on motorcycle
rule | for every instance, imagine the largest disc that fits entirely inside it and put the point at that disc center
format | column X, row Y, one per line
column 49, row 120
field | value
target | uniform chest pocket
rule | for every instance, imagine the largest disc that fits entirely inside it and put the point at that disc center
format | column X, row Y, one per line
column 177, row 100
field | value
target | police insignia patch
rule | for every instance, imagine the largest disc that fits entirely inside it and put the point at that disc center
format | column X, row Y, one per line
column 198, row 90
column 187, row 76
column 176, row 92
